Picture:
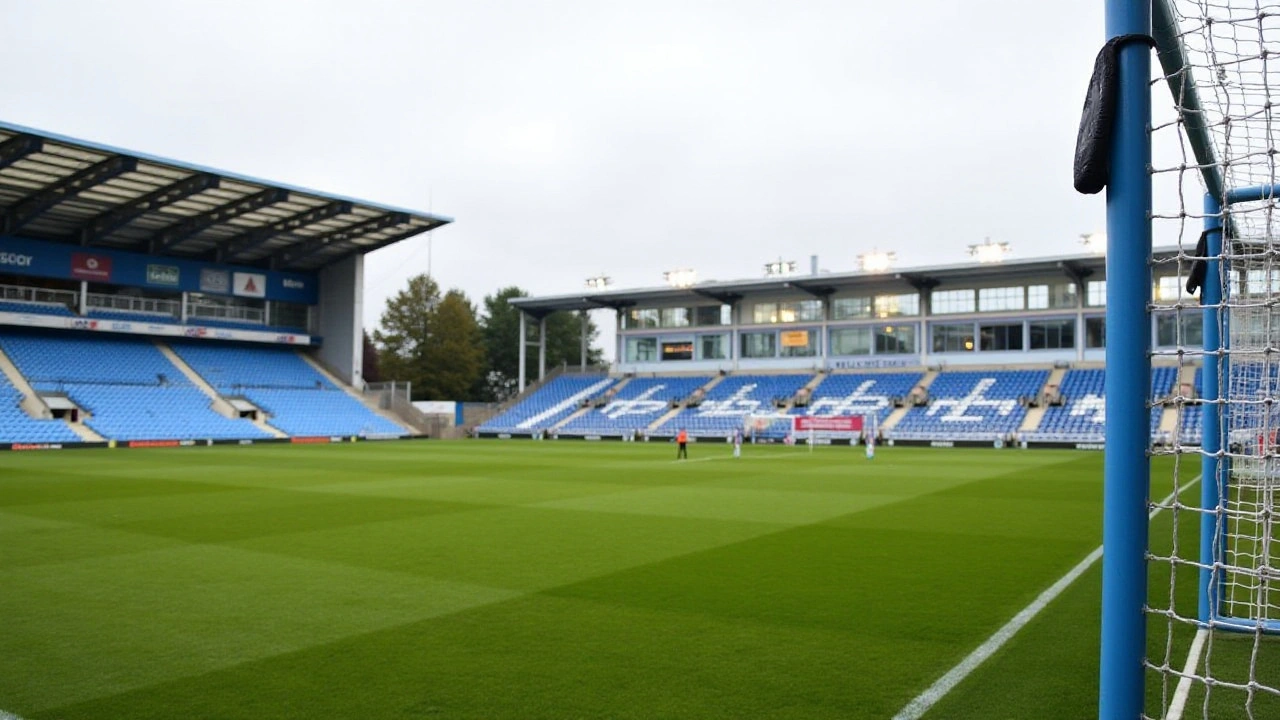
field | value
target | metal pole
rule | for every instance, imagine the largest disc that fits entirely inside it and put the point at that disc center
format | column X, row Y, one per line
column 542, row 348
column 1211, row 410
column 1128, row 381
column 523, row 350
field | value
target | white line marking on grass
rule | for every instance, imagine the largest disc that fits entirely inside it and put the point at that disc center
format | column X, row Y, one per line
column 945, row 684
column 1179, row 702
column 8, row 716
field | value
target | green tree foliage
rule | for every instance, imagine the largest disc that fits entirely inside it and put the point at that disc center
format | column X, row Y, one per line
column 501, row 330
column 432, row 341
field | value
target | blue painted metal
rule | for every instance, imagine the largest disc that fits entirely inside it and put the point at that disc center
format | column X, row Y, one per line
column 1252, row 194
column 1212, row 409
column 1128, row 381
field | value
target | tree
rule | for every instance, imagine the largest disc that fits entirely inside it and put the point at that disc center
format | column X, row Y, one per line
column 431, row 341
column 501, row 330
column 370, row 360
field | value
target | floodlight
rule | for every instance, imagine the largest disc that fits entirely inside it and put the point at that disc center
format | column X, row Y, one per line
column 1094, row 242
column 779, row 268
column 989, row 252
column 877, row 261
column 599, row 282
column 680, row 278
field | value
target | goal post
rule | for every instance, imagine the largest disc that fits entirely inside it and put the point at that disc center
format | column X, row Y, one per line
column 1191, row 578
column 807, row 429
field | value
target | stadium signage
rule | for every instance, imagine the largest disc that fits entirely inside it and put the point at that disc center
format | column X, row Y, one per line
column 249, row 285
column 215, row 281
column 91, row 267
column 39, row 258
column 193, row 331
column 795, row 338
column 163, row 275
column 677, row 351
column 848, row 423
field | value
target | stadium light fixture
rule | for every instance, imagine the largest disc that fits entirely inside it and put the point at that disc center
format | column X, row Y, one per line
column 599, row 282
column 990, row 252
column 680, row 278
column 780, row 268
column 1094, row 242
column 877, row 261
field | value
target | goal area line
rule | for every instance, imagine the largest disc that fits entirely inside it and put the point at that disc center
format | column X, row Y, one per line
column 922, row 703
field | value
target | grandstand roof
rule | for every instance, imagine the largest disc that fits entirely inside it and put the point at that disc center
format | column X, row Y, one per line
column 70, row 191
column 922, row 278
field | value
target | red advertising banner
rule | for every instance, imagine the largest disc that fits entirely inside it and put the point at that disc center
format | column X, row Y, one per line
column 91, row 267
column 844, row 423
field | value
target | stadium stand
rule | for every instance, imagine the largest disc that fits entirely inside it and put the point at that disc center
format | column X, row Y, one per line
column 129, row 388
column 549, row 404
column 38, row 308
column 1082, row 415
column 729, row 403
column 298, row 398
column 859, row 394
column 972, row 405
column 638, row 404
column 16, row 426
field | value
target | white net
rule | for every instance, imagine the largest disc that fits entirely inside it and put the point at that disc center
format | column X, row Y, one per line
column 1212, row 650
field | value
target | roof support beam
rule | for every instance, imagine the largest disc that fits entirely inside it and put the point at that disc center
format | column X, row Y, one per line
column 724, row 298
column 1077, row 273
column 18, row 147
column 112, row 220
column 318, row 243
column 922, row 283
column 175, row 235
column 30, row 208
column 820, row 291
column 230, row 249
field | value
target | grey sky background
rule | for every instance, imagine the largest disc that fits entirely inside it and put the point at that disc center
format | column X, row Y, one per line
column 570, row 139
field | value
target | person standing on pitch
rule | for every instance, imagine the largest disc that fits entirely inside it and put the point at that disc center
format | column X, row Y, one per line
column 682, row 440
column 737, row 442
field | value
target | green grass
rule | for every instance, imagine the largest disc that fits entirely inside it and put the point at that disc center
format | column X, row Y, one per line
column 542, row 580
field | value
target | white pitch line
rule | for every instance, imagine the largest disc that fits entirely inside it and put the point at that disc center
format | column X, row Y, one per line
column 1179, row 702
column 921, row 704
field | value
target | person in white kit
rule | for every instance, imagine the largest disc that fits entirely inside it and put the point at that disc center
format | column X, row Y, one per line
column 737, row 442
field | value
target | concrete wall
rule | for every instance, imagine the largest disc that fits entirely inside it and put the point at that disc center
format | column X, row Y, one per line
column 340, row 323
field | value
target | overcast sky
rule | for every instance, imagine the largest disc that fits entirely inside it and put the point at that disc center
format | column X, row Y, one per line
column 570, row 139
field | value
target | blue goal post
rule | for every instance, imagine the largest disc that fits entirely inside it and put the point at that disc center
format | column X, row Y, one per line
column 1191, row 576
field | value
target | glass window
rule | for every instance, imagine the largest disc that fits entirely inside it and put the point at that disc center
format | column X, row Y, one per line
column 896, row 340
column 710, row 315
column 851, row 341
column 675, row 317
column 1192, row 330
column 1001, row 298
column 759, row 344
column 1051, row 297
column 1052, row 334
column 642, row 318
column 1167, row 289
column 1096, row 294
column 1006, row 336
column 847, row 308
column 1262, row 282
column 787, row 312
column 952, row 301
column 1095, row 332
column 642, row 349
column 953, row 338
column 897, row 305
column 762, row 313
column 713, row 347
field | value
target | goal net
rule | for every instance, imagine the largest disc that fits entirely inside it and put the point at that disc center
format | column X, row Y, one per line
column 809, row 429
column 1191, row 577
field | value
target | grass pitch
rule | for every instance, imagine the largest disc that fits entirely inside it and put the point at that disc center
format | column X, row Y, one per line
column 541, row 580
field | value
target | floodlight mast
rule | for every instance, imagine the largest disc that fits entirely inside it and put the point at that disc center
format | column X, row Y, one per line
column 877, row 261
column 682, row 278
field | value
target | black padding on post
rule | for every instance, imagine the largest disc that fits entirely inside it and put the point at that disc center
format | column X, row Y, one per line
column 1093, row 140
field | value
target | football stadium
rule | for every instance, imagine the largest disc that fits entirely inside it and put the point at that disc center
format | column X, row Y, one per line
column 1006, row 488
